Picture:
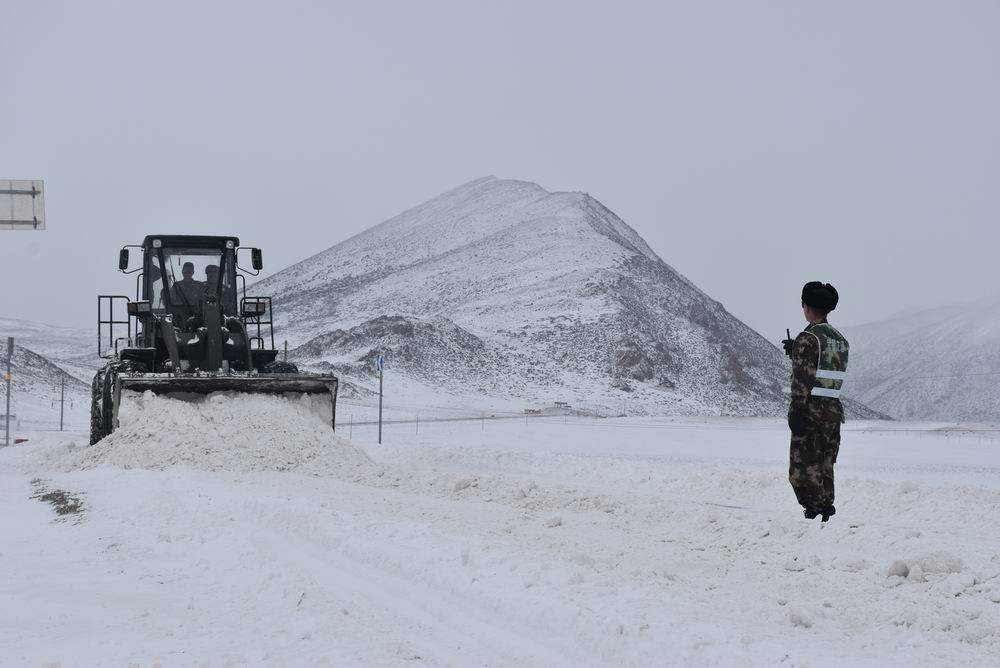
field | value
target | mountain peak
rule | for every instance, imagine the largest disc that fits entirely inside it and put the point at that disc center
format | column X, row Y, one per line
column 555, row 292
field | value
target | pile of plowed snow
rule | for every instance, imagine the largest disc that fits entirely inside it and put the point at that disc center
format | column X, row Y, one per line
column 225, row 431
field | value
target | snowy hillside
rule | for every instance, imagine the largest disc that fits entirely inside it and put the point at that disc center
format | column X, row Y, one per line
column 503, row 289
column 933, row 364
column 44, row 355
column 36, row 389
column 72, row 350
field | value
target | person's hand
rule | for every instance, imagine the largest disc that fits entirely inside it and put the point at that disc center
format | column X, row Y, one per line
column 788, row 344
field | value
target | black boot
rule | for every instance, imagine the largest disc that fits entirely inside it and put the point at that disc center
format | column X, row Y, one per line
column 828, row 512
column 810, row 513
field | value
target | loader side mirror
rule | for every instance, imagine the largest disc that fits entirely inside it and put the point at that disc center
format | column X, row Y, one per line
column 123, row 260
column 256, row 259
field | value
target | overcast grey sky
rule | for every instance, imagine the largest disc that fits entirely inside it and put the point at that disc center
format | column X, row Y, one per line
column 755, row 145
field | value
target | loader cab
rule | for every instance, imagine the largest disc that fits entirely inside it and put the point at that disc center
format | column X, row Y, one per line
column 187, row 315
column 180, row 272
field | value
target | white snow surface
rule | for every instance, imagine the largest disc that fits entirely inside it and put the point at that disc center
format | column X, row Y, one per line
column 241, row 531
column 274, row 434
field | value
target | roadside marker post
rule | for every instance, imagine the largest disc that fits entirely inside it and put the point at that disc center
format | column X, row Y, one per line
column 62, row 402
column 380, row 365
column 10, row 355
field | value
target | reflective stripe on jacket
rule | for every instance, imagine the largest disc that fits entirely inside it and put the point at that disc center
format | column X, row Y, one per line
column 831, row 365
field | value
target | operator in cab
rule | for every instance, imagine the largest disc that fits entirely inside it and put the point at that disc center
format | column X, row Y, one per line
column 187, row 292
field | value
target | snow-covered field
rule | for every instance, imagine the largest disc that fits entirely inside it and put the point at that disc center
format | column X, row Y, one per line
column 552, row 541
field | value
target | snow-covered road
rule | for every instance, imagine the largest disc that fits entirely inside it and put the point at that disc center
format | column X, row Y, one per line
column 616, row 542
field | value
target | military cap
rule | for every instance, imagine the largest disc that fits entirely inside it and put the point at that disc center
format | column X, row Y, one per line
column 819, row 295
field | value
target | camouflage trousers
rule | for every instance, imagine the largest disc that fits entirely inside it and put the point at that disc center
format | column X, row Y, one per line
column 811, row 460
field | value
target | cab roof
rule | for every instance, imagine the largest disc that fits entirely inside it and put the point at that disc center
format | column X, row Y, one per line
column 189, row 241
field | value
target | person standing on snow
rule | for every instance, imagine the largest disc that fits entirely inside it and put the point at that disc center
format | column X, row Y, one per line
column 819, row 366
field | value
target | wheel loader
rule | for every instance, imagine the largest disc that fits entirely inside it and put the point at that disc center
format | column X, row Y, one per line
column 191, row 329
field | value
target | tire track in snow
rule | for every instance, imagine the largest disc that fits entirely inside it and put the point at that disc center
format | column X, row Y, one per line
column 443, row 628
column 447, row 627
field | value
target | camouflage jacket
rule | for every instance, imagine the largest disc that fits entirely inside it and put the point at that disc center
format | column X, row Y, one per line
column 805, row 362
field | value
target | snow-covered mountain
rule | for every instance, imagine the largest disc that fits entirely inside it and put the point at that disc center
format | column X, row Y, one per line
column 500, row 288
column 72, row 350
column 941, row 363
column 36, row 386
column 44, row 356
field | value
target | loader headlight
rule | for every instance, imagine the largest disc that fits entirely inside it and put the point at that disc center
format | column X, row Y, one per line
column 254, row 309
column 137, row 309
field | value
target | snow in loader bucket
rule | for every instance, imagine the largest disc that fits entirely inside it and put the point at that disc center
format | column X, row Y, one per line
column 207, row 384
column 109, row 385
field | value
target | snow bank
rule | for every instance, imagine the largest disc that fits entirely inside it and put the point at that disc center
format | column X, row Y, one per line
column 225, row 431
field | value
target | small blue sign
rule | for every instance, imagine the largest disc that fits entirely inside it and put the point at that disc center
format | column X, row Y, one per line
column 380, row 363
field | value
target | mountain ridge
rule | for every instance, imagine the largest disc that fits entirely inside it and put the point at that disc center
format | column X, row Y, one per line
column 936, row 363
column 561, row 295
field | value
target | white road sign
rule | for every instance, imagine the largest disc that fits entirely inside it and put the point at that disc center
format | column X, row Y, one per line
column 22, row 205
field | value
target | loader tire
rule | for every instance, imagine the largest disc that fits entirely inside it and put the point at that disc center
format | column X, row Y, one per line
column 96, row 413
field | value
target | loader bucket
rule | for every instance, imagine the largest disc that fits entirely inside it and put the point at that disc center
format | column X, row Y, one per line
column 270, row 383
column 207, row 384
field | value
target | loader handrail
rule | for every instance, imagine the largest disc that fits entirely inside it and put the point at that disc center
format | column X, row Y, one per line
column 110, row 322
column 263, row 308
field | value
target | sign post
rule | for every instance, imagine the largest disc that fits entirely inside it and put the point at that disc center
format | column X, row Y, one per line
column 62, row 402
column 10, row 355
column 380, row 365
